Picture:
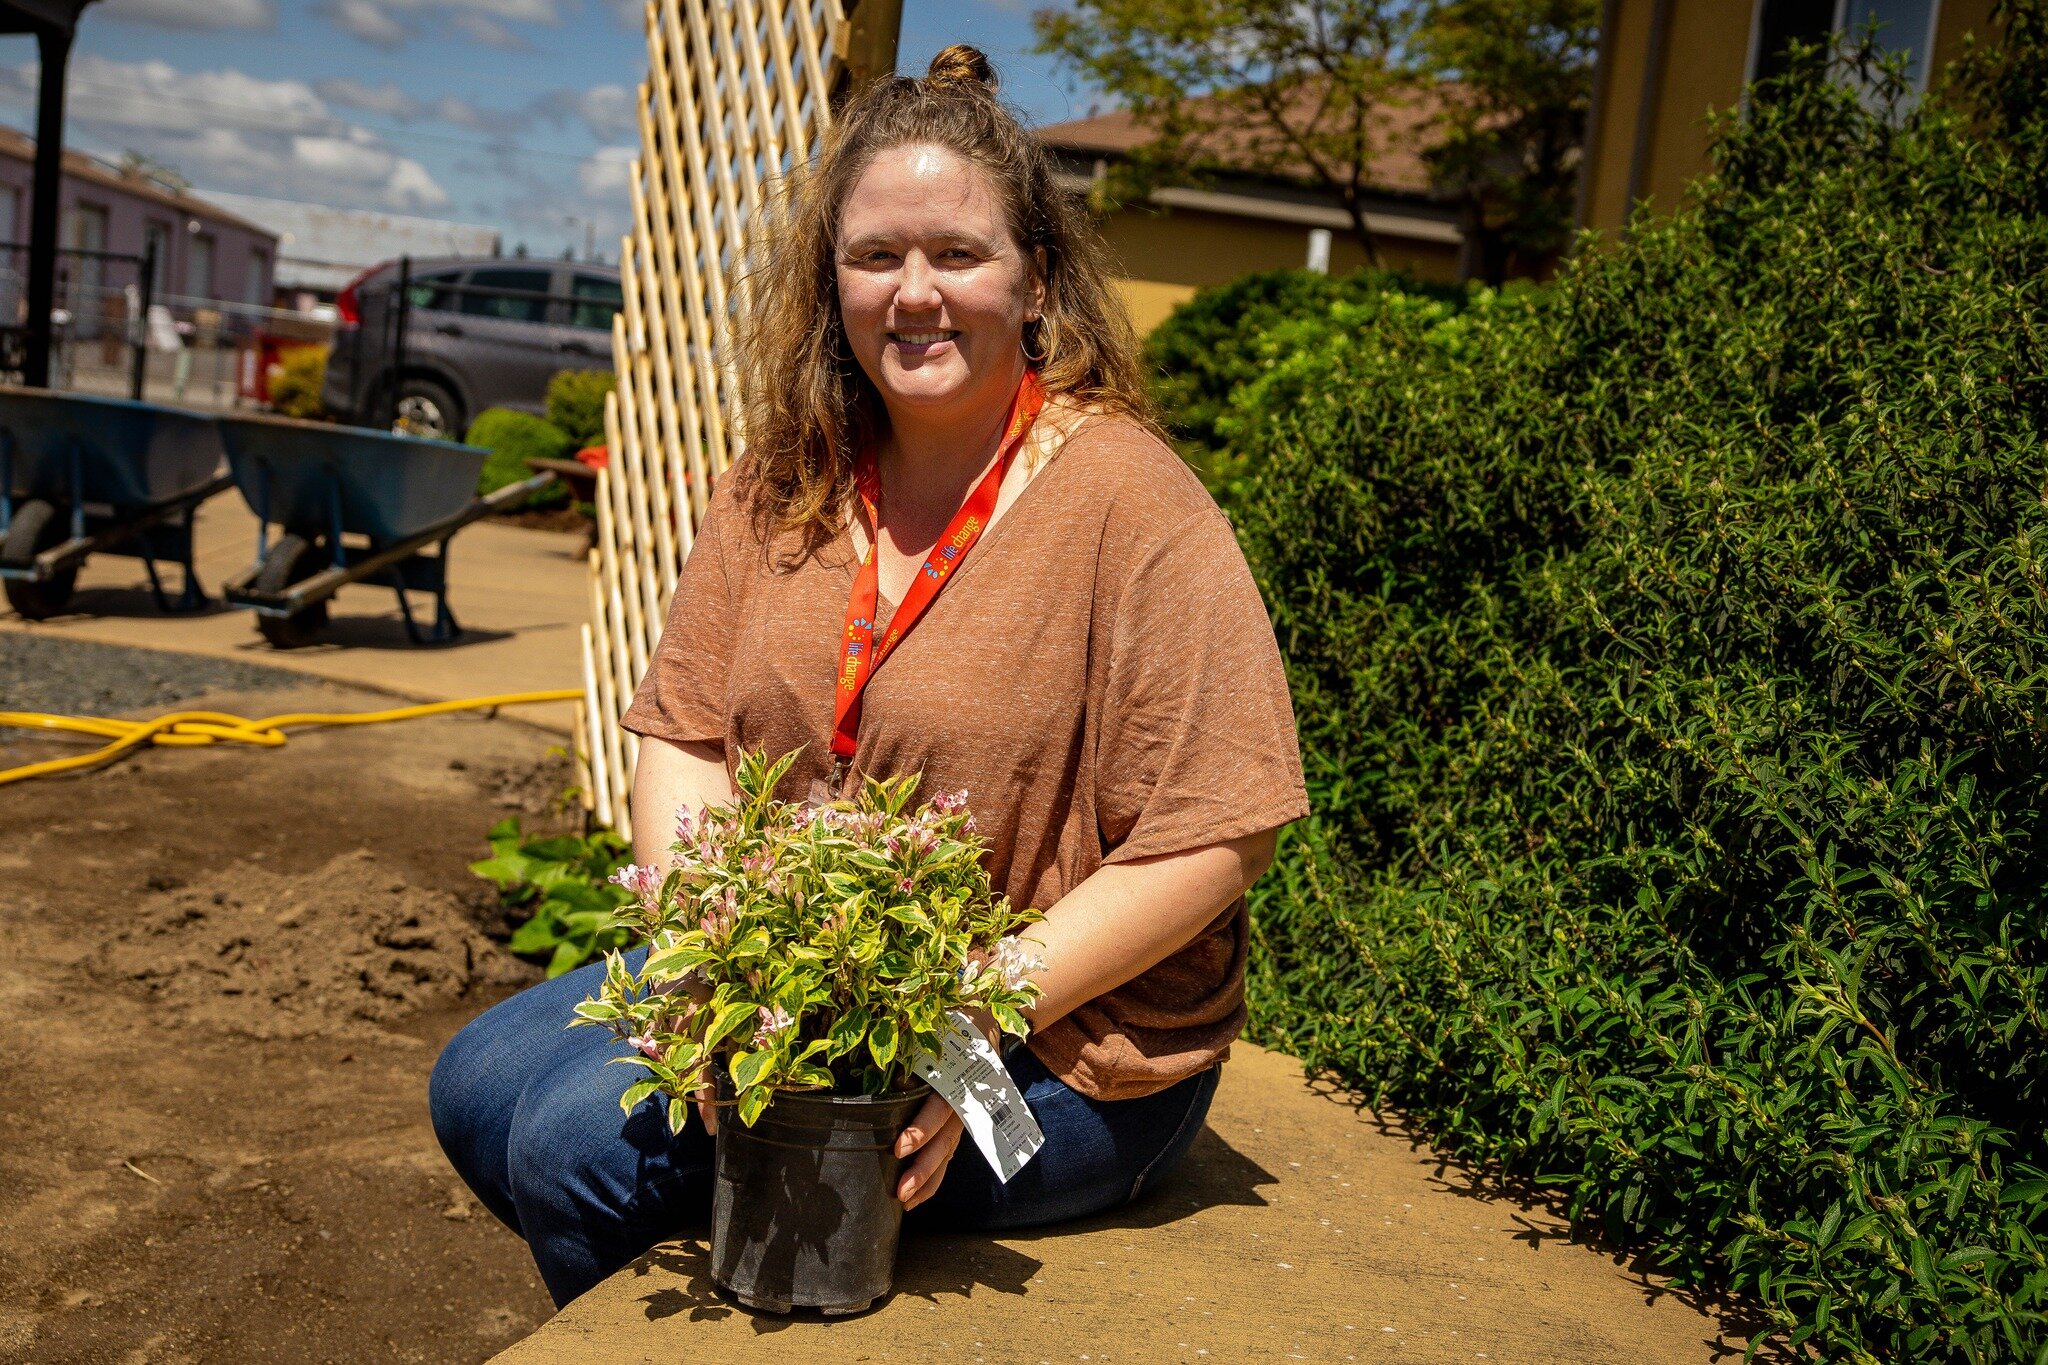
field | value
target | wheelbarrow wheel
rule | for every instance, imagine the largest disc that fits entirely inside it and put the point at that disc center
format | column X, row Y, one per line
column 292, row 559
column 37, row 526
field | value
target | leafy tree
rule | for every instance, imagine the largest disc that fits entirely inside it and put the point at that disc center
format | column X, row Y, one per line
column 1494, row 92
column 1302, row 90
column 1508, row 146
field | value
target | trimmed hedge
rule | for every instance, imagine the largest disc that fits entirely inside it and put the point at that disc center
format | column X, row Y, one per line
column 1216, row 343
column 575, row 404
column 513, row 438
column 1670, row 647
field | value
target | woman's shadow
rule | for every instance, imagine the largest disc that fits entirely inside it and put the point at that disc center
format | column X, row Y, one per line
column 936, row 1266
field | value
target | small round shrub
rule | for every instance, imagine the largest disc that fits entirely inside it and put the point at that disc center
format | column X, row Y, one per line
column 576, row 404
column 513, row 438
column 295, row 390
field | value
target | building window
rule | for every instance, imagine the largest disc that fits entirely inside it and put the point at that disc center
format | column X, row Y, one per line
column 1903, row 27
column 256, row 288
column 85, row 232
column 156, row 233
column 199, row 272
column 10, row 214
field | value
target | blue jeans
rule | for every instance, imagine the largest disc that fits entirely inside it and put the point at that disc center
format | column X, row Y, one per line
column 527, row 1110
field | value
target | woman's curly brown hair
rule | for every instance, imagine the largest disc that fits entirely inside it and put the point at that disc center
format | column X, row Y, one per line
column 806, row 406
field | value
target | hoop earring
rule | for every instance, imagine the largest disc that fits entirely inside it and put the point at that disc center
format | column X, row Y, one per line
column 1048, row 335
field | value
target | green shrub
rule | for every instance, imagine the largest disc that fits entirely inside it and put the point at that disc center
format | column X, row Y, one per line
column 513, row 438
column 1216, row 342
column 576, row 404
column 295, row 391
column 563, row 885
column 1670, row 647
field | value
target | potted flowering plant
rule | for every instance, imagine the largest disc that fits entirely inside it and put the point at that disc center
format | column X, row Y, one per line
column 802, row 958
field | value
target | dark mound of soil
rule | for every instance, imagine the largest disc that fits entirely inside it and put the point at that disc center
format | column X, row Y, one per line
column 334, row 952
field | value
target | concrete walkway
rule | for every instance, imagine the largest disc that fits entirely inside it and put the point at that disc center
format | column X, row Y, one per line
column 521, row 596
column 1300, row 1228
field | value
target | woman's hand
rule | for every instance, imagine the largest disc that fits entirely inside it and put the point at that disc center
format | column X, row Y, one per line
column 934, row 1135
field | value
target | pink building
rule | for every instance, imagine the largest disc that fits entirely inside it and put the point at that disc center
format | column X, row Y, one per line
column 206, row 256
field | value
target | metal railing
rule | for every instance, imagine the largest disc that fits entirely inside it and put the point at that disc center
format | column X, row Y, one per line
column 113, row 334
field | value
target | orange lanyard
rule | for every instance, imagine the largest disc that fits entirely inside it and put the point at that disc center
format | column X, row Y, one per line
column 860, row 654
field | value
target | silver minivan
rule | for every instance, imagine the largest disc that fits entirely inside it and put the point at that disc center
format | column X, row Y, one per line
column 479, row 333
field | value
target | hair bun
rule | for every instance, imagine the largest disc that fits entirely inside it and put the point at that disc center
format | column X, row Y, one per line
column 961, row 64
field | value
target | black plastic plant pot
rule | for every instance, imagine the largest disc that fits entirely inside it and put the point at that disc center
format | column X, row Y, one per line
column 804, row 1211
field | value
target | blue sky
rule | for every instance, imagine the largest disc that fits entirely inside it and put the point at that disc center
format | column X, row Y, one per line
column 517, row 114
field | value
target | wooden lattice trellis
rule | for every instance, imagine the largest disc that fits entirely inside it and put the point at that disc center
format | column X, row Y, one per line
column 737, row 92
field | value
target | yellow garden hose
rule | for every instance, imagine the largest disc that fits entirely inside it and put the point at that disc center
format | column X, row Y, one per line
column 183, row 729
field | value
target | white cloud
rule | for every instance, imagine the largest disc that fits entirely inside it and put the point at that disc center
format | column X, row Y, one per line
column 194, row 14
column 606, row 173
column 154, row 95
column 235, row 131
column 386, row 99
column 376, row 21
column 481, row 28
column 365, row 20
column 511, row 11
column 463, row 114
column 609, row 111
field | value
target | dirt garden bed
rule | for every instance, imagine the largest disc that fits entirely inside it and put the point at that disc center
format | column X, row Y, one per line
column 228, row 972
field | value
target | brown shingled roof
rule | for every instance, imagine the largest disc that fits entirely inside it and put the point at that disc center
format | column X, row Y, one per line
column 79, row 166
column 1402, row 131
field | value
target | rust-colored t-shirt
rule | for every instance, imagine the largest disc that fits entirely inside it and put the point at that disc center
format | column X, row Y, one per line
column 1099, row 675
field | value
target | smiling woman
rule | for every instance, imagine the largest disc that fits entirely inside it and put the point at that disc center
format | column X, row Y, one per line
column 947, row 459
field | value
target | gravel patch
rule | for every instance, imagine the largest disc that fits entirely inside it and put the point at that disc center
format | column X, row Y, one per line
column 82, row 678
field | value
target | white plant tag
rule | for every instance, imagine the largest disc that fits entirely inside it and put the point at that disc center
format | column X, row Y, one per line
column 971, row 1077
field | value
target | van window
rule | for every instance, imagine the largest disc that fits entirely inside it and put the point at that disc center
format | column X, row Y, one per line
column 433, row 291
column 511, row 307
column 597, row 298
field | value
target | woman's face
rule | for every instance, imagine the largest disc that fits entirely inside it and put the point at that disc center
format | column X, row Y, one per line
column 933, row 290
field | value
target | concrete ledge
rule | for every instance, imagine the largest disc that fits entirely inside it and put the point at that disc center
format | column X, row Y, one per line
column 1300, row 1228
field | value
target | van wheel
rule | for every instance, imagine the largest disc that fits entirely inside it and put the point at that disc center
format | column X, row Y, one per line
column 426, row 408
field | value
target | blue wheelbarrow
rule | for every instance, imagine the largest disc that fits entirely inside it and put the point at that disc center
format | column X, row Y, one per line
column 82, row 475
column 351, row 505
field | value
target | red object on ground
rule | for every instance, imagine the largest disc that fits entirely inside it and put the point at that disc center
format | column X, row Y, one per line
column 597, row 457
column 259, row 353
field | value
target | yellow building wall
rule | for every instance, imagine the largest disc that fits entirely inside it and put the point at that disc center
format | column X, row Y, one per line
column 1704, row 59
column 1163, row 258
column 1958, row 19
column 1617, row 105
column 1706, row 53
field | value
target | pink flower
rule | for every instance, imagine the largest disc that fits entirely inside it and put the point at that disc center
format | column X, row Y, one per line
column 718, row 922
column 645, row 1044
column 643, row 883
column 1015, row 961
column 905, row 884
column 950, row 803
column 773, row 1022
